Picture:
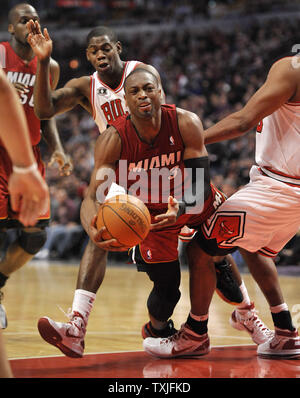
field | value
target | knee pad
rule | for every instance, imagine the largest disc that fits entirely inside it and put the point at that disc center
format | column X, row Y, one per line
column 32, row 242
column 165, row 293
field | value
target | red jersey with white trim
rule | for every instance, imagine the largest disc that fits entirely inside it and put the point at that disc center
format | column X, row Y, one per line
column 278, row 143
column 154, row 171
column 109, row 104
column 144, row 161
column 18, row 71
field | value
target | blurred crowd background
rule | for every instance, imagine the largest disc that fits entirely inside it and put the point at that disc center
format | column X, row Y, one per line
column 212, row 56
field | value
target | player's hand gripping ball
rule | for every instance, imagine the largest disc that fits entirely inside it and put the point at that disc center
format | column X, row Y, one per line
column 126, row 219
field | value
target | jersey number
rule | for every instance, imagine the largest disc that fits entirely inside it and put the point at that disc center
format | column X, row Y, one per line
column 24, row 99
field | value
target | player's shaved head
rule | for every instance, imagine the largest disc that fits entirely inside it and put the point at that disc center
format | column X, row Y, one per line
column 17, row 8
column 140, row 70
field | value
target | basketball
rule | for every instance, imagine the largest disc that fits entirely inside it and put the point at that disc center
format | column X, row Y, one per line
column 126, row 219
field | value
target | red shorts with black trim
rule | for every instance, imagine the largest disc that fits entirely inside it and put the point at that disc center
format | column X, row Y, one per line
column 162, row 245
column 8, row 218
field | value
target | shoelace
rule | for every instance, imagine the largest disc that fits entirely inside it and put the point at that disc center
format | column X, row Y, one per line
column 174, row 337
column 67, row 314
column 70, row 315
column 258, row 322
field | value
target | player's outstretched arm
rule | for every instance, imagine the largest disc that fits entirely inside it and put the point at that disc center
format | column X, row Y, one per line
column 47, row 101
column 107, row 153
column 40, row 43
column 279, row 87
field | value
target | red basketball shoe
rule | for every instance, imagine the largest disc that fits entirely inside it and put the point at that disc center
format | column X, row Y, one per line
column 284, row 344
column 182, row 344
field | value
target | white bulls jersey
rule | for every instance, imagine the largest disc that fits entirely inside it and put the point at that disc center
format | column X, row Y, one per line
column 108, row 104
column 278, row 144
column 265, row 214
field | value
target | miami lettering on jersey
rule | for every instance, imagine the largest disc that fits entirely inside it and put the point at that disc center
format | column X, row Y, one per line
column 23, row 78
column 153, row 179
column 163, row 160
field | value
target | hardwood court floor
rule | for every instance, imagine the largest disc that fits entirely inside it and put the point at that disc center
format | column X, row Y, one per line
column 113, row 341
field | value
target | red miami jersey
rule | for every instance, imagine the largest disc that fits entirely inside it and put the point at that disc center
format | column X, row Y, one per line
column 166, row 152
column 18, row 71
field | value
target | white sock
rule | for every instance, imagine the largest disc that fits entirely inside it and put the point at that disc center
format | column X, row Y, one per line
column 246, row 299
column 83, row 303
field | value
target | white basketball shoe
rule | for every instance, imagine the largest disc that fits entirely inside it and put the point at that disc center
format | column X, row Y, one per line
column 284, row 344
column 67, row 337
column 183, row 343
column 247, row 319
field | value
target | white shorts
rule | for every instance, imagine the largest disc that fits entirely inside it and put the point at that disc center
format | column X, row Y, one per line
column 261, row 217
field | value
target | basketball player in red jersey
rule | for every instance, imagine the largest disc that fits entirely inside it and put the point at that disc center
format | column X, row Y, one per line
column 19, row 63
column 25, row 181
column 148, row 136
column 102, row 95
column 261, row 217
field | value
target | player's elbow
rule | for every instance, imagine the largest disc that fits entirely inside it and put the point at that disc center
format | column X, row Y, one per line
column 43, row 114
column 243, row 122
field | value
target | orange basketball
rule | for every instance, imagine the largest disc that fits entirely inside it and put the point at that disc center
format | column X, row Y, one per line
column 126, row 219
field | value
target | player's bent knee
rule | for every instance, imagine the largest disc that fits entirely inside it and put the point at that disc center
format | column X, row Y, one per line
column 165, row 293
column 32, row 242
column 161, row 306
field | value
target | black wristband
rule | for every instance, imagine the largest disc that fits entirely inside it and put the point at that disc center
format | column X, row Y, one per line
column 182, row 208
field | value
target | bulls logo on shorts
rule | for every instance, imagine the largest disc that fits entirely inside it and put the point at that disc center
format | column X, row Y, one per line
column 225, row 227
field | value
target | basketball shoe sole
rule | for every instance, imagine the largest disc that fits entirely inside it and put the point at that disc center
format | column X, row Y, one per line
column 71, row 346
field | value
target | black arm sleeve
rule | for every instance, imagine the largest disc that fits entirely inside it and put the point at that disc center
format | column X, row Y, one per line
column 198, row 188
